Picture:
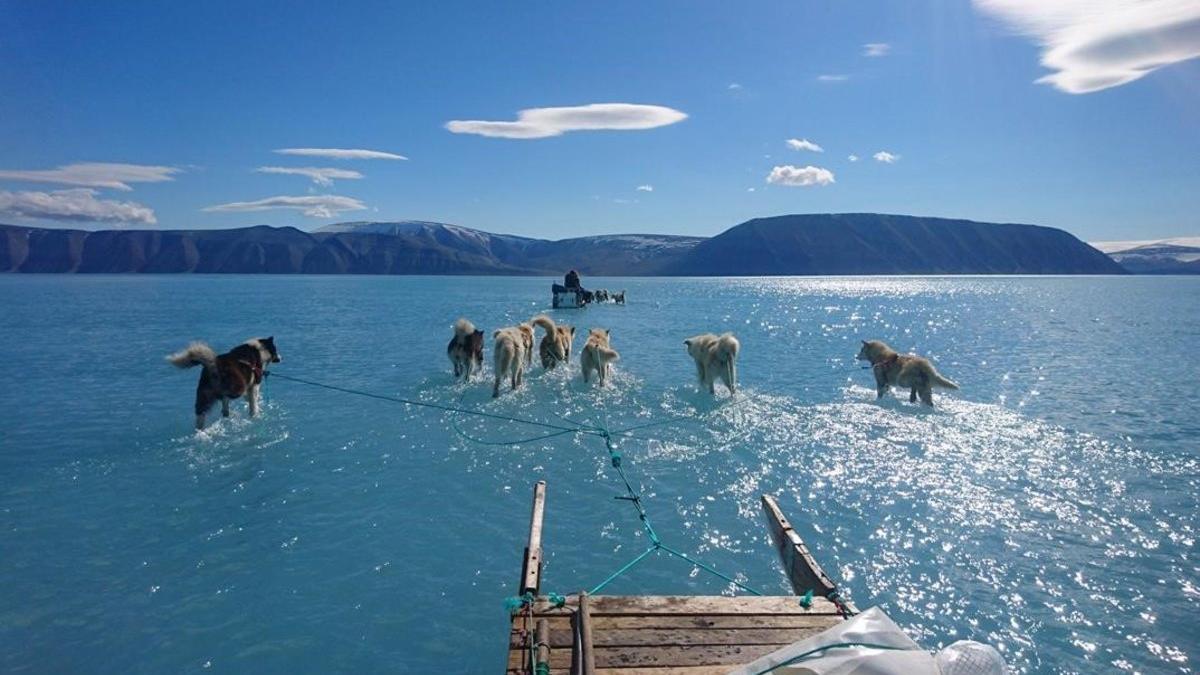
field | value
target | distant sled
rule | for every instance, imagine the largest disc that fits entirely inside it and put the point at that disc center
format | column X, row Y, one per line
column 569, row 298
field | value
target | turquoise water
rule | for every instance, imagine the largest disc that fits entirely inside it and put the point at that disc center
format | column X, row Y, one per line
column 1048, row 508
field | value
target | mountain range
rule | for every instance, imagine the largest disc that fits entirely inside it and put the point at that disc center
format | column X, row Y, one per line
column 815, row 244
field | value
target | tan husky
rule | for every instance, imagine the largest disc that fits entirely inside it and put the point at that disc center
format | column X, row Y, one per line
column 511, row 350
column 715, row 357
column 902, row 370
column 597, row 354
column 555, row 347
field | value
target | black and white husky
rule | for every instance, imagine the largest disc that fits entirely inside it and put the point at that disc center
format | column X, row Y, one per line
column 238, row 373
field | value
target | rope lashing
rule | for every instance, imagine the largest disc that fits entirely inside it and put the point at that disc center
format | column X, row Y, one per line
column 525, row 602
column 656, row 544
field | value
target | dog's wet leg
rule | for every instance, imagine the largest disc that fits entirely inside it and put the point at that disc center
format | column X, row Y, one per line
column 927, row 396
column 252, row 399
column 912, row 395
column 224, row 407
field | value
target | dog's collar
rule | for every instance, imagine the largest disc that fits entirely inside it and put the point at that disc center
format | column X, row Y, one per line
column 887, row 362
column 257, row 369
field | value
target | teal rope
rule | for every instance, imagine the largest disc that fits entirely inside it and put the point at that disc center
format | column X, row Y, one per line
column 632, row 495
column 423, row 404
column 625, row 568
column 656, row 544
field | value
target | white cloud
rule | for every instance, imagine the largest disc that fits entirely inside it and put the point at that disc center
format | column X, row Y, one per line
column 317, row 206
column 546, row 122
column 734, row 86
column 800, row 176
column 852, row 158
column 832, row 78
column 620, row 200
column 94, row 175
column 886, row 157
column 319, row 175
column 749, row 189
column 804, row 144
column 877, row 48
column 645, row 188
column 340, row 153
column 1093, row 44
column 76, row 204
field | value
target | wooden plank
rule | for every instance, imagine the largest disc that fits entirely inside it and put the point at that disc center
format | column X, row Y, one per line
column 803, row 571
column 659, row 657
column 688, row 604
column 681, row 637
column 683, row 670
column 531, row 568
column 697, row 621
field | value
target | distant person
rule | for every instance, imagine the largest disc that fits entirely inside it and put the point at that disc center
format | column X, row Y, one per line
column 572, row 280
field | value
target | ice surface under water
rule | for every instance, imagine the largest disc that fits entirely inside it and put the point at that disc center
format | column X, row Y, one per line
column 1048, row 508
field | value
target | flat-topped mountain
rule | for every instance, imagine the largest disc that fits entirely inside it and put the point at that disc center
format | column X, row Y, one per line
column 801, row 244
column 871, row 243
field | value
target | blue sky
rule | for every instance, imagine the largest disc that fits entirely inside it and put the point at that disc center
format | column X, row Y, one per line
column 198, row 96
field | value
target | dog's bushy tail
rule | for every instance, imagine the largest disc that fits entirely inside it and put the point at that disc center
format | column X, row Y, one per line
column 195, row 354
column 728, row 347
column 463, row 328
column 544, row 322
column 936, row 379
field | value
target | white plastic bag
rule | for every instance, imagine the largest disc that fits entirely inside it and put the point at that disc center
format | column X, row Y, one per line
column 872, row 644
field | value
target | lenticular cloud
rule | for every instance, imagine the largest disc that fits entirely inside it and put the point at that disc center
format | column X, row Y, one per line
column 546, row 122
column 1093, row 45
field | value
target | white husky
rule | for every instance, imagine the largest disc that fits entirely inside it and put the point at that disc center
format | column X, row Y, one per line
column 715, row 357
column 511, row 348
column 597, row 354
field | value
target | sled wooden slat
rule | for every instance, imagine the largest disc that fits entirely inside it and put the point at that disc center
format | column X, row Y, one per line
column 671, row 634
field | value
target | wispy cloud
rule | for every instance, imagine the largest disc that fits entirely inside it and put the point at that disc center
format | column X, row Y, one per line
column 734, row 86
column 852, row 158
column 76, row 204
column 645, row 188
column 94, row 175
column 886, row 157
column 546, row 122
column 876, row 49
column 316, row 206
column 340, row 153
column 1096, row 45
column 832, row 78
column 320, row 175
column 795, row 176
column 804, row 144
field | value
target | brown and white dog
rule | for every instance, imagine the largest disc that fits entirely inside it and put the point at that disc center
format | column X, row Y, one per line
column 716, row 358
column 597, row 354
column 465, row 349
column 512, row 348
column 555, row 347
column 238, row 373
column 910, row 371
